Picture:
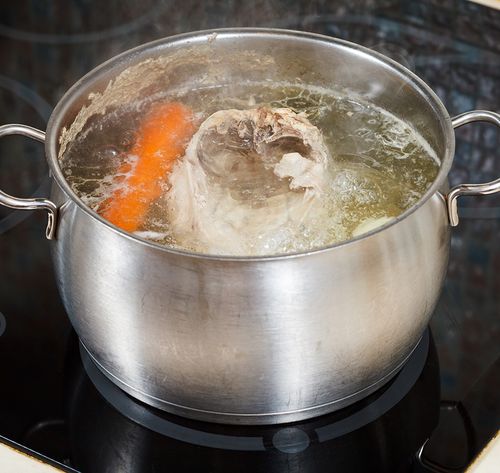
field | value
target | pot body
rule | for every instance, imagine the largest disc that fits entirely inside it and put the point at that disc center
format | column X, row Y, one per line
column 251, row 341
column 263, row 340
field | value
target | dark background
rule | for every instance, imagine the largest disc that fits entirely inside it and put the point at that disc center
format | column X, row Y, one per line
column 45, row 46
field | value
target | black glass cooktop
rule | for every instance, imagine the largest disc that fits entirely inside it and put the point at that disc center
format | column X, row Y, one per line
column 388, row 427
column 49, row 404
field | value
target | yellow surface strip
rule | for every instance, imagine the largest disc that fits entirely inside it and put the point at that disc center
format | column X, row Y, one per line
column 15, row 461
column 488, row 461
column 488, row 3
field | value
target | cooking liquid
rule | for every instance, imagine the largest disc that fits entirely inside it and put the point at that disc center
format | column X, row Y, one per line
column 378, row 166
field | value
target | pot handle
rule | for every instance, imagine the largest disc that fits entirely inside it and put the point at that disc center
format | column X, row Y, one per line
column 471, row 189
column 37, row 202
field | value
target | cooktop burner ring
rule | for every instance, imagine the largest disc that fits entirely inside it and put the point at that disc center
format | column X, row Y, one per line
column 285, row 436
column 43, row 110
column 119, row 30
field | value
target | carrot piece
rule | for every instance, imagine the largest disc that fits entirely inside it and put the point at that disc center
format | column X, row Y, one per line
column 161, row 139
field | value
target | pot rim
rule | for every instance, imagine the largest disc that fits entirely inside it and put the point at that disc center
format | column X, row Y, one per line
column 203, row 37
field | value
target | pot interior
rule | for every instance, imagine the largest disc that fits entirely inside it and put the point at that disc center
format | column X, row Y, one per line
column 233, row 57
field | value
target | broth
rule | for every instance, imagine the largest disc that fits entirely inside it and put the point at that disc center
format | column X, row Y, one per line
column 377, row 168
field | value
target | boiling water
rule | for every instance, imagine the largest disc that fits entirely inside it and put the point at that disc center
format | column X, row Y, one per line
column 378, row 166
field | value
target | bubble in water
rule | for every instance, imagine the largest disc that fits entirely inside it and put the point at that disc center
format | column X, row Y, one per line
column 107, row 153
column 127, row 139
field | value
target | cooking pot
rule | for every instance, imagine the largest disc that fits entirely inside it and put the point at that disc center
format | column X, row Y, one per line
column 250, row 339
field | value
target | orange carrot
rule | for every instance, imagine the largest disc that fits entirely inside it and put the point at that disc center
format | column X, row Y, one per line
column 161, row 139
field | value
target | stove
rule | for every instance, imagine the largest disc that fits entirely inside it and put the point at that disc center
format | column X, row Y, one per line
column 54, row 402
column 388, row 427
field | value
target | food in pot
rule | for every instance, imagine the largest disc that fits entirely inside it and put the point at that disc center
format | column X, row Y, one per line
column 253, row 169
column 247, row 175
column 160, row 140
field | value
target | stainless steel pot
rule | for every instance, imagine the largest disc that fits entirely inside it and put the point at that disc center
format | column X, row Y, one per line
column 251, row 340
